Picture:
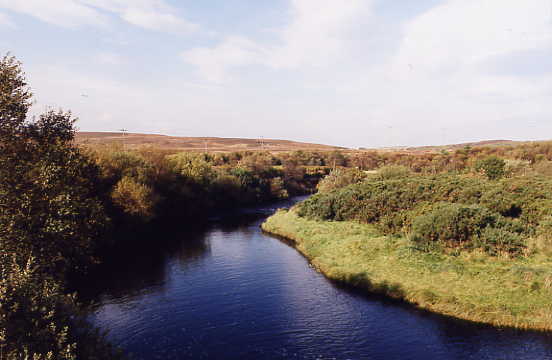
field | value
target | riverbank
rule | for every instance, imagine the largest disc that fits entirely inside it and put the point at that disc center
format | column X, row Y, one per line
column 471, row 286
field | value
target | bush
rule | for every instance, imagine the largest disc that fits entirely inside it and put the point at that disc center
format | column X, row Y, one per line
column 115, row 163
column 496, row 241
column 453, row 223
column 389, row 172
column 134, row 199
column 493, row 167
column 193, row 167
column 542, row 239
column 339, row 178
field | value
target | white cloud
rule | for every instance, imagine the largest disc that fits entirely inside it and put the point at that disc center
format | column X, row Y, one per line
column 157, row 21
column 314, row 37
column 460, row 33
column 6, row 21
column 67, row 13
column 316, row 33
column 436, row 78
column 149, row 14
column 444, row 49
column 232, row 52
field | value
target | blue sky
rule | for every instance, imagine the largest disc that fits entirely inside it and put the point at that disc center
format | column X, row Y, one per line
column 355, row 73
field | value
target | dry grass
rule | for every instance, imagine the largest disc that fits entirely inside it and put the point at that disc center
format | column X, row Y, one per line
column 210, row 144
column 472, row 286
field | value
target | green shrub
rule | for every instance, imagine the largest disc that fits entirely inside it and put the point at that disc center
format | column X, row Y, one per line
column 389, row 172
column 542, row 239
column 134, row 198
column 453, row 223
column 116, row 163
column 193, row 167
column 493, row 167
column 496, row 241
column 317, row 207
column 339, row 178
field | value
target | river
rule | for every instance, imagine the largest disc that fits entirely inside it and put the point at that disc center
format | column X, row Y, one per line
column 231, row 292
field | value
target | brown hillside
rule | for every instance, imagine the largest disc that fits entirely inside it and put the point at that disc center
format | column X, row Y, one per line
column 196, row 143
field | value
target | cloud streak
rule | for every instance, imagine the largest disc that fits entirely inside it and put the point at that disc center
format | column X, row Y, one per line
column 149, row 14
column 314, row 36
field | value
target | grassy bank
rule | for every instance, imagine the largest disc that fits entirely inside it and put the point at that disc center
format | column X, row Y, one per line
column 470, row 285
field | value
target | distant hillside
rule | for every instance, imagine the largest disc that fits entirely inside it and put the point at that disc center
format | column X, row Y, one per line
column 451, row 147
column 196, row 143
column 463, row 145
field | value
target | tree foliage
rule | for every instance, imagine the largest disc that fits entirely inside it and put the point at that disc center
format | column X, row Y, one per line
column 50, row 219
column 38, row 322
column 48, row 207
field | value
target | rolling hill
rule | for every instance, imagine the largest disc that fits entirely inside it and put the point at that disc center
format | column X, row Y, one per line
column 196, row 143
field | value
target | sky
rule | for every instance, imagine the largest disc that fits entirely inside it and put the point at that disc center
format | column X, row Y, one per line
column 354, row 73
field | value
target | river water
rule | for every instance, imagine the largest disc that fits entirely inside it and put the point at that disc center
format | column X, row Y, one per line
column 232, row 292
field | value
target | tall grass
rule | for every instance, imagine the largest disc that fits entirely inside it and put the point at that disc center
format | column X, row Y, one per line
column 470, row 285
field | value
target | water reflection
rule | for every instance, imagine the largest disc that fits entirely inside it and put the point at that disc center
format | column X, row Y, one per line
column 143, row 268
column 231, row 292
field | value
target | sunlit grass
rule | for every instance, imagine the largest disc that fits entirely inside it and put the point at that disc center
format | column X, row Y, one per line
column 471, row 285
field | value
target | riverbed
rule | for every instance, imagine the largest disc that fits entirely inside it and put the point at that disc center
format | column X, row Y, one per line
column 228, row 291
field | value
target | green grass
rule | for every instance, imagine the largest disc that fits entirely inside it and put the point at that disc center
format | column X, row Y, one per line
column 470, row 285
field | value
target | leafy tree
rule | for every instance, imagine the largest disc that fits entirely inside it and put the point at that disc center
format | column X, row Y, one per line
column 193, row 167
column 134, row 198
column 48, row 206
column 38, row 322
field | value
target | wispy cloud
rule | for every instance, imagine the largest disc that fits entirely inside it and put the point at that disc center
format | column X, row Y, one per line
column 212, row 63
column 149, row 14
column 158, row 21
column 314, row 37
column 66, row 13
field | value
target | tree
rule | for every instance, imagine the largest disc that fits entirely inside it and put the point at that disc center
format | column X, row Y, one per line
column 48, row 204
column 37, row 321
column 50, row 218
column 15, row 99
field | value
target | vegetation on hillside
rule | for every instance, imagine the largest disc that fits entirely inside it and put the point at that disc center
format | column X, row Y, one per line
column 453, row 211
column 473, row 243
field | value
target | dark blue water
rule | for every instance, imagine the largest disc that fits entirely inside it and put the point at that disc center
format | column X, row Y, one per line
column 231, row 292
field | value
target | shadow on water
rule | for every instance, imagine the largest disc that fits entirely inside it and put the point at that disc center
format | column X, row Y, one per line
column 229, row 291
column 143, row 264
